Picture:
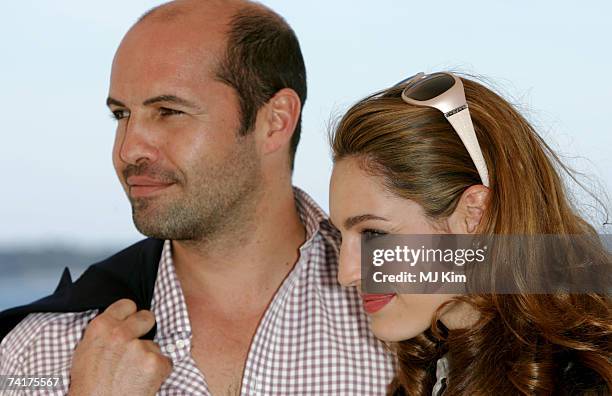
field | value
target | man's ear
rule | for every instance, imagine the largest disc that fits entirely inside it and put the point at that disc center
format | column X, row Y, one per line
column 279, row 117
column 468, row 213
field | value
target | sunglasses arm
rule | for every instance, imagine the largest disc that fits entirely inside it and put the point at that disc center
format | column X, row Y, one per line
column 462, row 123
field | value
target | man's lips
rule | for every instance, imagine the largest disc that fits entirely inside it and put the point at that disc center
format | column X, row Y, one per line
column 375, row 302
column 142, row 186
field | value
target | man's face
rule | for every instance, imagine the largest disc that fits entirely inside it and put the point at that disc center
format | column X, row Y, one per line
column 177, row 152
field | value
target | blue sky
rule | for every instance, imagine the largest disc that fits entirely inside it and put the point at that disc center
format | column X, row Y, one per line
column 550, row 58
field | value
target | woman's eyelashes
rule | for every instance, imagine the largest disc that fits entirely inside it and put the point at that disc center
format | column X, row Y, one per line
column 370, row 233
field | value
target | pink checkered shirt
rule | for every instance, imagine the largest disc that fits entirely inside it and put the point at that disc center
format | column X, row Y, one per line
column 313, row 339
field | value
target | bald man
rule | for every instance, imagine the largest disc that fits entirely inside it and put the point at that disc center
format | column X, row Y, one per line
column 234, row 292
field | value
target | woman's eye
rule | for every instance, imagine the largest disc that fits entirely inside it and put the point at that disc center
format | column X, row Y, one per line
column 164, row 112
column 371, row 233
column 120, row 114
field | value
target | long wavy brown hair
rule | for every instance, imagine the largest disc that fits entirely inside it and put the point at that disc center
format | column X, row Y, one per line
column 531, row 344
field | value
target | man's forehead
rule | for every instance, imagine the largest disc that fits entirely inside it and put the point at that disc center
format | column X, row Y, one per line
column 133, row 82
column 166, row 52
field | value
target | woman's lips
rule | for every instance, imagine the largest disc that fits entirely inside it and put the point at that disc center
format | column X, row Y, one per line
column 375, row 302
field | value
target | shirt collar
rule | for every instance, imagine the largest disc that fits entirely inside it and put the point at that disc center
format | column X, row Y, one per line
column 311, row 215
column 169, row 304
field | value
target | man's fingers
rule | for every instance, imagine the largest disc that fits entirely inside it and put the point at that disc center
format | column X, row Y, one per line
column 138, row 324
column 156, row 367
column 151, row 360
column 110, row 320
column 121, row 309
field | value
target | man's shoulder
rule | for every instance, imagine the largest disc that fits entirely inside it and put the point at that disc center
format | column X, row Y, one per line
column 327, row 248
column 130, row 273
column 146, row 249
column 36, row 325
column 44, row 334
column 330, row 234
column 315, row 219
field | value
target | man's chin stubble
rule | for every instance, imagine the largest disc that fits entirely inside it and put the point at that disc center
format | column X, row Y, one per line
column 173, row 222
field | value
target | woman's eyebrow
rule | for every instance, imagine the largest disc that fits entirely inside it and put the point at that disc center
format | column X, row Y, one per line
column 354, row 220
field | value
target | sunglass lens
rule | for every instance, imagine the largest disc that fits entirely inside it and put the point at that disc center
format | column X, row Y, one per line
column 430, row 87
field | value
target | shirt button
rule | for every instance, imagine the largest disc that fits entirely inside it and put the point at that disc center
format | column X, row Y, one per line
column 180, row 344
column 170, row 348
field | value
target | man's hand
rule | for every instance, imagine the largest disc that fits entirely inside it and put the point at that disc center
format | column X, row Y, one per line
column 111, row 360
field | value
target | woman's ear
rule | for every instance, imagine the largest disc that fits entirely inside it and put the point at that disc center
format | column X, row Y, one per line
column 468, row 213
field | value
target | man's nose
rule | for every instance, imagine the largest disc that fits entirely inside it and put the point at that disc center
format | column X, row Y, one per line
column 349, row 266
column 138, row 142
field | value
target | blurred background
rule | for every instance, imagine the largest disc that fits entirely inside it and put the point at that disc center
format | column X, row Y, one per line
column 61, row 204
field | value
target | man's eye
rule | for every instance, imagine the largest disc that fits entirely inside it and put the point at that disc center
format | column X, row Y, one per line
column 164, row 112
column 120, row 114
column 371, row 233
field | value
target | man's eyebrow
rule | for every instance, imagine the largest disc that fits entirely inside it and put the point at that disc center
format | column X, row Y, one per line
column 161, row 98
column 170, row 99
column 112, row 101
column 354, row 220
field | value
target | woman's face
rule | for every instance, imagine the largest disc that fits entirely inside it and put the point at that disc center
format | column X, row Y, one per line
column 360, row 205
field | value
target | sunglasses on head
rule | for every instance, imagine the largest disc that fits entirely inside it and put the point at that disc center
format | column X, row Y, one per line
column 444, row 91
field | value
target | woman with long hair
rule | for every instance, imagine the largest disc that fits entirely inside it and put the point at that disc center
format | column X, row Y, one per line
column 443, row 154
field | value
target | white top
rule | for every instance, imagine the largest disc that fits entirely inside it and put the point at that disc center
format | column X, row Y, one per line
column 441, row 374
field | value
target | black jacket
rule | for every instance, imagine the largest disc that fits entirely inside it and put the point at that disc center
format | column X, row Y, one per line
column 130, row 273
